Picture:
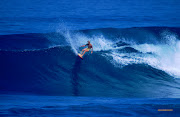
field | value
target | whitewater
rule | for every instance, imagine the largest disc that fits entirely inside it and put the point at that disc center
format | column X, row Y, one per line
column 163, row 55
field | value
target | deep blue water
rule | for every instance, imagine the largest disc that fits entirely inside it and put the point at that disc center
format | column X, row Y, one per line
column 47, row 106
column 27, row 16
column 133, row 71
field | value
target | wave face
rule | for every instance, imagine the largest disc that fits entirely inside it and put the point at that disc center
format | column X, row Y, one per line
column 128, row 62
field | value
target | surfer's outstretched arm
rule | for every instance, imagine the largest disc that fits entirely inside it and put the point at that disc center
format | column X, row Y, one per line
column 83, row 45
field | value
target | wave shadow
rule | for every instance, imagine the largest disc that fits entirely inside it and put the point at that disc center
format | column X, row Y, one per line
column 75, row 77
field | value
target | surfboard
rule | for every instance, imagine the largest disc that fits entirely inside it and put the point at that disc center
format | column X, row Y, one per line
column 80, row 56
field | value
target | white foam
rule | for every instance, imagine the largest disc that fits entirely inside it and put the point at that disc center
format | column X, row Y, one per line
column 69, row 38
column 78, row 39
column 165, row 56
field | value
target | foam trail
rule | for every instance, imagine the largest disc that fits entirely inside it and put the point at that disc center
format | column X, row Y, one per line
column 70, row 40
column 68, row 36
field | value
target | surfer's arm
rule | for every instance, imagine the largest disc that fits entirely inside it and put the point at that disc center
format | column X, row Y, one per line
column 83, row 45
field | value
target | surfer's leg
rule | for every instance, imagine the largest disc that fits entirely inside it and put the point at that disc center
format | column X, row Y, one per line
column 84, row 52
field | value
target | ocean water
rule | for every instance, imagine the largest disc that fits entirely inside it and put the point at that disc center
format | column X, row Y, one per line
column 134, row 69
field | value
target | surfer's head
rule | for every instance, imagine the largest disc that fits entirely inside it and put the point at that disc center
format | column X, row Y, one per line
column 88, row 42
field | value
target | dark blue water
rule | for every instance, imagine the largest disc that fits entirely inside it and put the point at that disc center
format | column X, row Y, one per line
column 26, row 16
column 134, row 68
column 21, row 105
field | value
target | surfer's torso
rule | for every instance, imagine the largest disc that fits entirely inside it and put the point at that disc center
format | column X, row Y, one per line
column 89, row 46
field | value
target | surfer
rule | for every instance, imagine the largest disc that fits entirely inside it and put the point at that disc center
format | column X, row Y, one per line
column 87, row 49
